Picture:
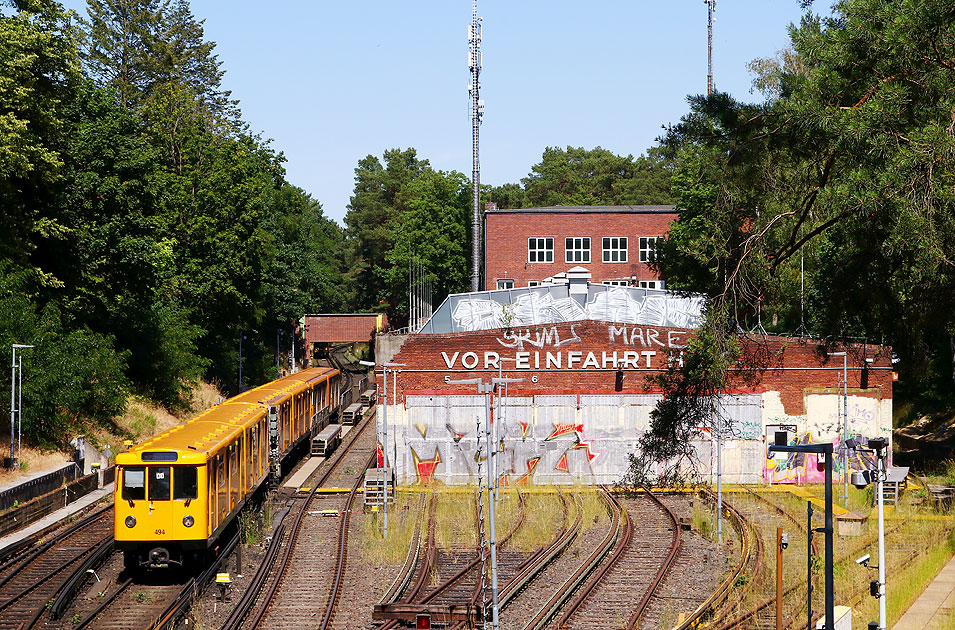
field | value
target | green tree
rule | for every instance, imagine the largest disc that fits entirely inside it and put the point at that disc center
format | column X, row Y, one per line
column 370, row 220
column 38, row 69
column 118, row 43
column 135, row 46
column 73, row 378
column 507, row 196
column 581, row 177
column 847, row 170
column 305, row 274
column 434, row 228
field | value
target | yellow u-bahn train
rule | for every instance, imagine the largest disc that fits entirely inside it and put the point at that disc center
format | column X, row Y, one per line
column 177, row 491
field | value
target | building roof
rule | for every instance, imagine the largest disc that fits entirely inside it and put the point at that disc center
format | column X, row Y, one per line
column 343, row 327
column 568, row 297
column 585, row 210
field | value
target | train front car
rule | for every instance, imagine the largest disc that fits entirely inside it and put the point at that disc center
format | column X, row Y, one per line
column 176, row 492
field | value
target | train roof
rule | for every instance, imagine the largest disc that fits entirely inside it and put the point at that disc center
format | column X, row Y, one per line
column 195, row 440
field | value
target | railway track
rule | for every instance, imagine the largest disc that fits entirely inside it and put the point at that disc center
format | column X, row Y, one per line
column 634, row 569
column 27, row 584
column 315, row 550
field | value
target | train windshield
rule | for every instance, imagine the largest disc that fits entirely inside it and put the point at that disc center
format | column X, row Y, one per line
column 185, row 484
column 159, row 483
column 134, row 483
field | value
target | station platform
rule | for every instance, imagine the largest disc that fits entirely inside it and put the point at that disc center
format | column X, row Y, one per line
column 51, row 520
column 301, row 475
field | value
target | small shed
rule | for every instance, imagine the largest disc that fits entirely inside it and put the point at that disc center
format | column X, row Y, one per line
column 851, row 523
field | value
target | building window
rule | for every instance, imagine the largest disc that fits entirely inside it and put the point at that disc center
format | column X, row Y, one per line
column 651, row 284
column 648, row 245
column 577, row 249
column 616, row 283
column 615, row 249
column 533, row 283
column 505, row 283
column 540, row 250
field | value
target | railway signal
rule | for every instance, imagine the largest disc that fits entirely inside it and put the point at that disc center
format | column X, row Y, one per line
column 422, row 621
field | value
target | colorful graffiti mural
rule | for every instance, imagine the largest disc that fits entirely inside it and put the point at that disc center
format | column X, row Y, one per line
column 809, row 468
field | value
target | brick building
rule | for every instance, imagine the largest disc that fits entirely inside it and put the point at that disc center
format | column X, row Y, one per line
column 526, row 245
column 585, row 352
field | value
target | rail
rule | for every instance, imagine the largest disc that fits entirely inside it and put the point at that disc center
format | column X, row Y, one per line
column 239, row 613
column 547, row 612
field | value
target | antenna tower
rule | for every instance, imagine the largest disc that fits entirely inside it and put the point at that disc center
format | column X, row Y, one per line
column 710, row 8
column 477, row 113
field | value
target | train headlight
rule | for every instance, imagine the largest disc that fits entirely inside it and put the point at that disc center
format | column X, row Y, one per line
column 130, row 521
column 188, row 521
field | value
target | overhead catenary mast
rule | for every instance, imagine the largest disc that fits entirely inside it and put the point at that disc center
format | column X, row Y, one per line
column 710, row 8
column 477, row 112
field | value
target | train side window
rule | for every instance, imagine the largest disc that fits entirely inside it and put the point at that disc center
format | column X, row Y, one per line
column 134, row 484
column 159, row 483
column 185, row 484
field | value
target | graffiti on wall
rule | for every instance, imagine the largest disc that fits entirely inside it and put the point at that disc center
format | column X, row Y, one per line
column 552, row 305
column 808, row 467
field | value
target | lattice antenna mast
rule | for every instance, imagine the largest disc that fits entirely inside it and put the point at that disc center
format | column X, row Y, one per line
column 710, row 8
column 477, row 113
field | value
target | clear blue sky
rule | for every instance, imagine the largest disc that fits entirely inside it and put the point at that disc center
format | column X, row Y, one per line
column 331, row 82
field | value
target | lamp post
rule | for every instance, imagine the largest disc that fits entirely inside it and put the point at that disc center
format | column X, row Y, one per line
column 241, row 337
column 845, row 421
column 825, row 450
column 278, row 347
column 486, row 388
column 16, row 402
column 384, row 421
column 860, row 479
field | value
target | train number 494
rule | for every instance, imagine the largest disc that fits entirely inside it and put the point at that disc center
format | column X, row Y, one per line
column 160, row 532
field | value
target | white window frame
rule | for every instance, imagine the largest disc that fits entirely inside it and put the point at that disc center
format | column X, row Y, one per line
column 646, row 249
column 533, row 283
column 614, row 246
column 577, row 249
column 509, row 282
column 651, row 284
column 540, row 249
column 617, row 283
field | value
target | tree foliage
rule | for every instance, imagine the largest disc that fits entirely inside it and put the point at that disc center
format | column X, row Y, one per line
column 372, row 213
column 580, row 177
column 434, row 228
column 845, row 171
column 147, row 228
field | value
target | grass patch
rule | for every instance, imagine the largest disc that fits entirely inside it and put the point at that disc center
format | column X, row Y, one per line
column 907, row 580
column 594, row 507
column 255, row 521
column 542, row 521
column 455, row 520
column 403, row 514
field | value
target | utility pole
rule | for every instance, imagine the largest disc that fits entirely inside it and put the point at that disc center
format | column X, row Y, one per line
column 710, row 8
column 487, row 388
column 16, row 402
column 241, row 337
column 477, row 113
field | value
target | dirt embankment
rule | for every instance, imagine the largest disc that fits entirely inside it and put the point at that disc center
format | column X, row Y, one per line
column 141, row 420
column 926, row 443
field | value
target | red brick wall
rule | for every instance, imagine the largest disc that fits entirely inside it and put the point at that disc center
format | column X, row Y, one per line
column 507, row 234
column 793, row 367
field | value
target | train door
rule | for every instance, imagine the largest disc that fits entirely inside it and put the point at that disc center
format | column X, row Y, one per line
column 234, row 474
column 134, row 494
column 187, row 511
column 159, row 489
column 222, row 487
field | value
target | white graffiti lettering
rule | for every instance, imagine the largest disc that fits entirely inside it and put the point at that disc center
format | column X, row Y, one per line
column 538, row 339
